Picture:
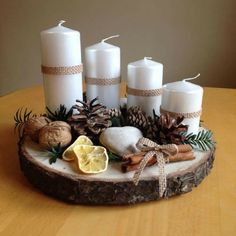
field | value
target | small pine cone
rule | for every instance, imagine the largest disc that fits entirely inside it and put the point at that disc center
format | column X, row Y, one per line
column 92, row 118
column 114, row 112
column 98, row 124
column 151, row 130
column 79, row 129
column 137, row 118
column 166, row 129
column 78, row 123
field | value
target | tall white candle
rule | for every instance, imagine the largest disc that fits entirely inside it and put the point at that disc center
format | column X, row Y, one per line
column 144, row 84
column 61, row 66
column 102, row 62
column 183, row 97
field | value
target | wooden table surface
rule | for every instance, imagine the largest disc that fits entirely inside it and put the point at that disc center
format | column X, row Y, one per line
column 210, row 209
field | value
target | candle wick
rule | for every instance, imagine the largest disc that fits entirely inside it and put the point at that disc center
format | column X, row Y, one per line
column 147, row 58
column 61, row 22
column 195, row 77
column 113, row 36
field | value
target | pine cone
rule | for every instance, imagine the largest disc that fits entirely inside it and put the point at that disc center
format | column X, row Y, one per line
column 151, row 130
column 166, row 129
column 92, row 118
column 114, row 112
column 137, row 118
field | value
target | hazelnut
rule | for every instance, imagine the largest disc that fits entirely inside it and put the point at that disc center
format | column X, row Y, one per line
column 33, row 125
column 54, row 133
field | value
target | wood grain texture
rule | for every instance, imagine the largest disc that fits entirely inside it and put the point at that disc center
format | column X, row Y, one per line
column 208, row 210
column 114, row 188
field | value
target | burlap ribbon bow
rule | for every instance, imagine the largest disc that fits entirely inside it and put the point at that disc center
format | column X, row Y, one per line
column 161, row 152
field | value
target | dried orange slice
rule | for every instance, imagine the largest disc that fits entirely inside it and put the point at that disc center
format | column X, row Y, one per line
column 91, row 159
column 68, row 154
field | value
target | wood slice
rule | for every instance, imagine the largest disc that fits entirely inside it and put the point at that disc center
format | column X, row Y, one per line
column 63, row 181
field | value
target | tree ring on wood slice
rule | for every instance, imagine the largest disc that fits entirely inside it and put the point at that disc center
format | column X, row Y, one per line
column 62, row 180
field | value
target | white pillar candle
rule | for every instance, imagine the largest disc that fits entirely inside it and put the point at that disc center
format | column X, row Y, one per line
column 102, row 62
column 144, row 84
column 61, row 66
column 183, row 97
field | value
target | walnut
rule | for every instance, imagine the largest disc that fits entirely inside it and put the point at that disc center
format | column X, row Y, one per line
column 33, row 125
column 54, row 133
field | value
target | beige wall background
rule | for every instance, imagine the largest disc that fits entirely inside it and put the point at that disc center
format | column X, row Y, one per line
column 186, row 36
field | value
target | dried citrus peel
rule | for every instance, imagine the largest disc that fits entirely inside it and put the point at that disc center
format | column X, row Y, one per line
column 68, row 154
column 91, row 159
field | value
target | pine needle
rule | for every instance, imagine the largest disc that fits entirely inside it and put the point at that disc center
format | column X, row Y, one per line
column 60, row 114
column 55, row 153
column 202, row 141
column 21, row 117
column 113, row 157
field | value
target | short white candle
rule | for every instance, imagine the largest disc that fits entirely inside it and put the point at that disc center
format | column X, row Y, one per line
column 145, row 75
column 102, row 62
column 60, row 47
column 184, row 97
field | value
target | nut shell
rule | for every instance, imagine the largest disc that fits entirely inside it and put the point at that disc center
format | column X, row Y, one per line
column 54, row 133
column 33, row 126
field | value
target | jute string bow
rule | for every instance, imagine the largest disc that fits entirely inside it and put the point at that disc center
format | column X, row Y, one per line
column 161, row 152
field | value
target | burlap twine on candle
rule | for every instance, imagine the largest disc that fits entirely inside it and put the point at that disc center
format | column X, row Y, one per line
column 161, row 152
column 62, row 70
column 103, row 81
column 143, row 93
column 188, row 115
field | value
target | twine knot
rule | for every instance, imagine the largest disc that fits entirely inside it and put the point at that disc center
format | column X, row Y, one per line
column 161, row 152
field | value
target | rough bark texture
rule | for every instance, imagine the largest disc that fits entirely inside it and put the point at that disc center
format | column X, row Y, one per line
column 109, row 193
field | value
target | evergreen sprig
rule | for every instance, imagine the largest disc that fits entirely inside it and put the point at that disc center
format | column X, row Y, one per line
column 55, row 152
column 203, row 140
column 113, row 157
column 116, row 121
column 121, row 120
column 60, row 114
column 21, row 117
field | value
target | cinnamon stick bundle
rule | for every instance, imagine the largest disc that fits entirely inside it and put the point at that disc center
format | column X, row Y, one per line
column 132, row 161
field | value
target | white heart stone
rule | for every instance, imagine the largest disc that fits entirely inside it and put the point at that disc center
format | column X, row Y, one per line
column 121, row 140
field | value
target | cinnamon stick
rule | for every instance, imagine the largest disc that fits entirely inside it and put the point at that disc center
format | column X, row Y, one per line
column 134, row 158
column 184, row 156
column 138, row 155
column 132, row 162
column 184, row 148
column 127, row 167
